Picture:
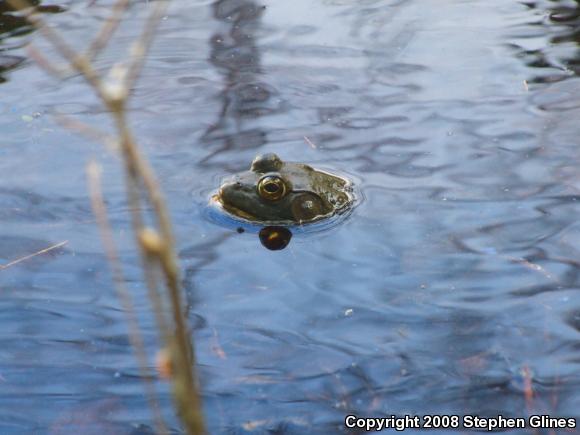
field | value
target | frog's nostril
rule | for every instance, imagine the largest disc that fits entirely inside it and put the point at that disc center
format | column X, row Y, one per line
column 229, row 187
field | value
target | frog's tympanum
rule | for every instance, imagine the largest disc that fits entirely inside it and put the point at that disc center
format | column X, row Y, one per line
column 274, row 191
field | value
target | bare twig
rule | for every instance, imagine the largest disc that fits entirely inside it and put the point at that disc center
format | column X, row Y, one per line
column 100, row 211
column 156, row 244
column 80, row 63
column 531, row 266
column 50, row 67
column 309, row 142
column 87, row 131
column 143, row 43
column 107, row 30
column 27, row 257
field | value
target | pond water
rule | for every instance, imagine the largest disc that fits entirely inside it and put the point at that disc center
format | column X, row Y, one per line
column 452, row 288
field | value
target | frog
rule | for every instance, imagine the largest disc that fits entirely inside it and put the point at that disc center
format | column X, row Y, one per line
column 274, row 191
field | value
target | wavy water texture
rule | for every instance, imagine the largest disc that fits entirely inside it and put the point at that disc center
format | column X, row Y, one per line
column 450, row 289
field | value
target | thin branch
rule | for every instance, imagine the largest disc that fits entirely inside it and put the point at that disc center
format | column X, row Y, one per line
column 143, row 43
column 136, row 210
column 80, row 63
column 50, row 67
column 185, row 388
column 532, row 266
column 309, row 142
column 108, row 29
column 157, row 250
column 87, row 131
column 100, row 211
column 27, row 257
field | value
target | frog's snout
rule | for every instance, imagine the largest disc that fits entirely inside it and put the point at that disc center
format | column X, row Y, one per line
column 229, row 187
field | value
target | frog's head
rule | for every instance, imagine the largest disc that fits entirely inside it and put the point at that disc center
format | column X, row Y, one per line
column 266, row 193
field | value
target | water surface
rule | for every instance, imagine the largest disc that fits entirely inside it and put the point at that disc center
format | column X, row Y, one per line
column 451, row 289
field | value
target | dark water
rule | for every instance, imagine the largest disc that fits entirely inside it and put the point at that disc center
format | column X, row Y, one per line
column 452, row 289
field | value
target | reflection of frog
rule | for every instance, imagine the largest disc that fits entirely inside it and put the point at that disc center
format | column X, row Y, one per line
column 273, row 191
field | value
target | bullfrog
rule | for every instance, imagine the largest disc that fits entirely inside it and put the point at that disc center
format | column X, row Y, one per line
column 279, row 192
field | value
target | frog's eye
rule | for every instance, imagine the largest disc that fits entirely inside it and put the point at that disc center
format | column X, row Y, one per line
column 272, row 188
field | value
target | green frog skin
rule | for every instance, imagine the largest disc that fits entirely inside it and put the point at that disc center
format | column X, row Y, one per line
column 274, row 191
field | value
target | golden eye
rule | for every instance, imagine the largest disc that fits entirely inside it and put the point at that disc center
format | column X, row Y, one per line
column 272, row 188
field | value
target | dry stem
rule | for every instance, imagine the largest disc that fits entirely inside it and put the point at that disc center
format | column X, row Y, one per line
column 142, row 187
column 27, row 257
column 100, row 211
